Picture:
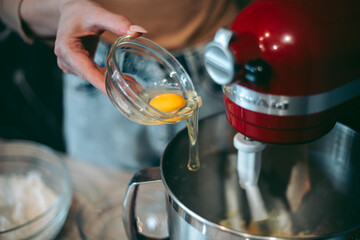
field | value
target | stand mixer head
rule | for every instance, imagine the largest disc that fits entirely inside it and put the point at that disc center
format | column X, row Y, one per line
column 289, row 69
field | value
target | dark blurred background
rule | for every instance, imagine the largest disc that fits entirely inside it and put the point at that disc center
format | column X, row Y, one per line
column 30, row 91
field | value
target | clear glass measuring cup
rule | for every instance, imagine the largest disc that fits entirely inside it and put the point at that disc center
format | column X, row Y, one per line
column 138, row 69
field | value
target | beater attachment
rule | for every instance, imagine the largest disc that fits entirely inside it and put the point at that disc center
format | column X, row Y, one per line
column 248, row 168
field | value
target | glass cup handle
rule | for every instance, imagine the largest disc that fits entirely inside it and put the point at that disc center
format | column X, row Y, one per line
column 149, row 175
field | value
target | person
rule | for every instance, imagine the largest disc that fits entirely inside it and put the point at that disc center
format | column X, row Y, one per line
column 94, row 130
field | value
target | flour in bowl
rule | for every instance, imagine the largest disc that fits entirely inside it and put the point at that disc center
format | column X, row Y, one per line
column 23, row 198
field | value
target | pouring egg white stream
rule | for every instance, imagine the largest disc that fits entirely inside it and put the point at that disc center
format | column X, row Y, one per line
column 174, row 103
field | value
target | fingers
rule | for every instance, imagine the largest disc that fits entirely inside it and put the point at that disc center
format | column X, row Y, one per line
column 81, row 22
column 117, row 24
column 77, row 62
column 136, row 30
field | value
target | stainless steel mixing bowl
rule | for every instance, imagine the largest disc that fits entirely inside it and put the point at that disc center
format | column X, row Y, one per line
column 310, row 190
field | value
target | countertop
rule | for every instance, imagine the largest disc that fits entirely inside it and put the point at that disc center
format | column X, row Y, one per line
column 90, row 183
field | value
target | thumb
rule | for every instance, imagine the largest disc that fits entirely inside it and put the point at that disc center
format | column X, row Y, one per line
column 117, row 24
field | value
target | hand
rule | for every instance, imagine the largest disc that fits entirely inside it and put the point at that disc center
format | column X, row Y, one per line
column 80, row 24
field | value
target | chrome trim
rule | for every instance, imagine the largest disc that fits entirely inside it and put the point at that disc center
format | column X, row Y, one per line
column 219, row 59
column 280, row 105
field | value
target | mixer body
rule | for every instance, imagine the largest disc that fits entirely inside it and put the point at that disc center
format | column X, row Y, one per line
column 289, row 68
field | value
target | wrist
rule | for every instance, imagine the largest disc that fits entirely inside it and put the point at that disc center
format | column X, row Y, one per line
column 40, row 17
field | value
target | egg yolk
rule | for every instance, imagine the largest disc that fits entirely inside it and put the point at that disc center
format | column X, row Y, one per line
column 168, row 102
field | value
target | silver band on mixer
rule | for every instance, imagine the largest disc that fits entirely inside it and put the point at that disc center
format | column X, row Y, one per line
column 289, row 105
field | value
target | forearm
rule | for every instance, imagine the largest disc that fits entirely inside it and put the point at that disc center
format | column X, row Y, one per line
column 31, row 18
column 40, row 18
column 9, row 14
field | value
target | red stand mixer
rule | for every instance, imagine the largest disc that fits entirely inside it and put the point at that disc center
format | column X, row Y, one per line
column 290, row 68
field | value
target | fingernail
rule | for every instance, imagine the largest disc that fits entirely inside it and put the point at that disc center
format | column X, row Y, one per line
column 137, row 28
